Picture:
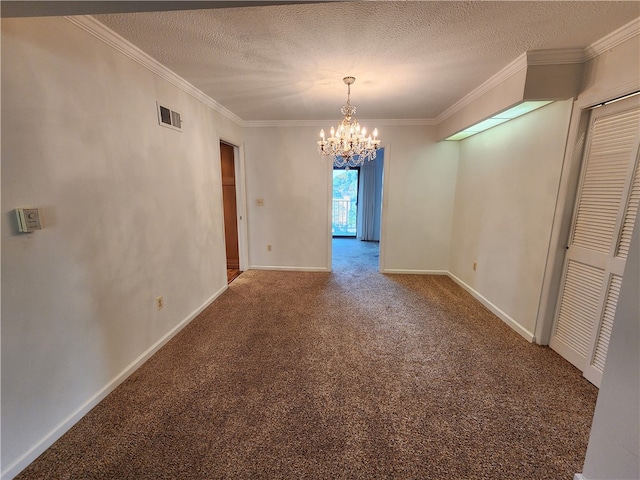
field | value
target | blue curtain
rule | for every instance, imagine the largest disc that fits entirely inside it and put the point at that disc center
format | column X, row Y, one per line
column 368, row 201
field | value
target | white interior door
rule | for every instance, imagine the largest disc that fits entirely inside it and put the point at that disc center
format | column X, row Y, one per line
column 606, row 206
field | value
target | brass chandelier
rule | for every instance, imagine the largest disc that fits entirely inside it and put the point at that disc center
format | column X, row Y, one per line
column 348, row 144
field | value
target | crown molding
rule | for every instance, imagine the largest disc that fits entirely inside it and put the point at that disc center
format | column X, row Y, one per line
column 560, row 56
column 510, row 70
column 613, row 39
column 324, row 123
column 285, row 123
column 546, row 57
column 403, row 121
column 111, row 38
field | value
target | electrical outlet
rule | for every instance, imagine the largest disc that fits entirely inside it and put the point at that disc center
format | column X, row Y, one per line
column 159, row 303
column 475, row 266
column 260, row 202
column 268, row 247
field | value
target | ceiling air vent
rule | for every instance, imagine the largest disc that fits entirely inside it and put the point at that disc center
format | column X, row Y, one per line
column 169, row 118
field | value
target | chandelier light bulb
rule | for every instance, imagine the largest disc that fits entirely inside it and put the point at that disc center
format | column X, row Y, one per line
column 348, row 144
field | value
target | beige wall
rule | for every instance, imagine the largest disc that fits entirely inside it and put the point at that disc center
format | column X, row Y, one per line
column 613, row 73
column 420, row 178
column 284, row 169
column 506, row 192
column 131, row 210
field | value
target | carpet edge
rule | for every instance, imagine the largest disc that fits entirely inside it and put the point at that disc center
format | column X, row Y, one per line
column 401, row 271
column 530, row 337
column 285, row 268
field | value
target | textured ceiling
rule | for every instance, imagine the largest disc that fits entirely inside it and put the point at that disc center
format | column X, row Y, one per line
column 411, row 60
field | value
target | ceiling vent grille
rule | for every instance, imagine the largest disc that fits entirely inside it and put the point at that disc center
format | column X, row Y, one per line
column 169, row 118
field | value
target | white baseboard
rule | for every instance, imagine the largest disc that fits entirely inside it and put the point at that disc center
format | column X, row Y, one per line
column 579, row 476
column 38, row 448
column 401, row 271
column 530, row 337
column 289, row 269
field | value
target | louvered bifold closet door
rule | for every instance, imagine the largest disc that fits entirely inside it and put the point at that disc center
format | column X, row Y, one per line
column 607, row 202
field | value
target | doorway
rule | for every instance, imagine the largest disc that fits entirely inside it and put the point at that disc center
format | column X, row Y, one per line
column 230, row 209
column 356, row 213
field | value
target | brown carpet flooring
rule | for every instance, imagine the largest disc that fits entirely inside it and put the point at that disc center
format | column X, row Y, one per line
column 349, row 375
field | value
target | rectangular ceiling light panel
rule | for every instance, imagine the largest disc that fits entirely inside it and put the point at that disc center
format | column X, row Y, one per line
column 502, row 117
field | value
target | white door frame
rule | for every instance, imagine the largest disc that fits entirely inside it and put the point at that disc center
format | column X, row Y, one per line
column 329, row 161
column 382, row 246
